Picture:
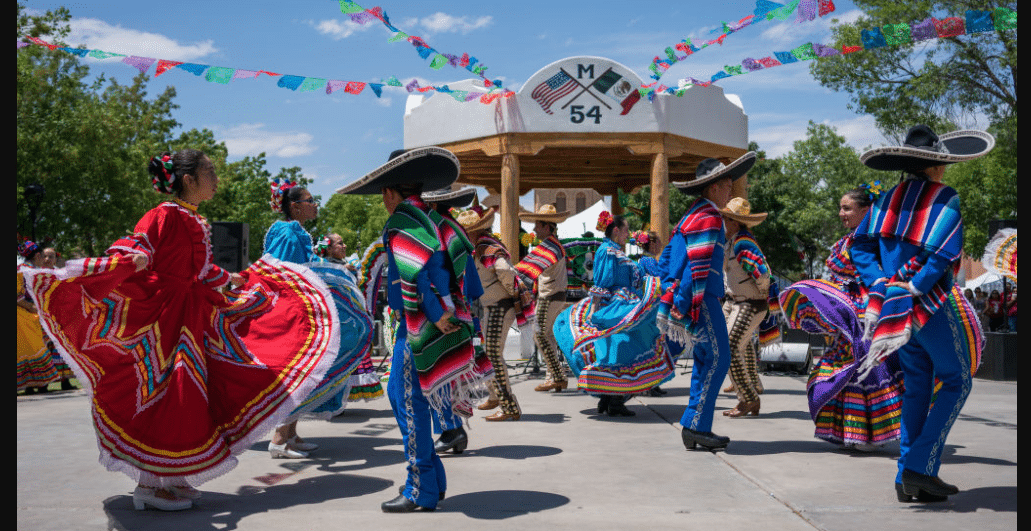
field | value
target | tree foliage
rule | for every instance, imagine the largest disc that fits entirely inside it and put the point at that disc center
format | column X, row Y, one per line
column 801, row 192
column 88, row 145
column 941, row 83
column 935, row 81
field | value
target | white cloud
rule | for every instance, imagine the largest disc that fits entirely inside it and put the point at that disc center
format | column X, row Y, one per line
column 443, row 23
column 777, row 140
column 337, row 29
column 99, row 35
column 252, row 139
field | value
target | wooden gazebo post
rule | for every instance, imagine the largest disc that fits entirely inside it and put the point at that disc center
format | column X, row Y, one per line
column 660, row 196
column 510, row 202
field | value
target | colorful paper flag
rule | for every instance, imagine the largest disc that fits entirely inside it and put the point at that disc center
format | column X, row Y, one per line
column 290, row 82
column 164, row 65
column 949, row 27
column 140, row 63
column 220, row 74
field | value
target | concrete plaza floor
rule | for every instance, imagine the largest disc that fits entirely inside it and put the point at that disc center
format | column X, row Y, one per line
column 562, row 466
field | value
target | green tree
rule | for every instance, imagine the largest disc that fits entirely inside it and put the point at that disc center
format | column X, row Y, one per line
column 87, row 145
column 939, row 82
column 801, row 192
column 935, row 81
column 358, row 219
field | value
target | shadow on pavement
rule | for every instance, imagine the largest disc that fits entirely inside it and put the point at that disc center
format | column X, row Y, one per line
column 226, row 511
column 514, row 451
column 998, row 499
column 343, row 454
column 501, row 504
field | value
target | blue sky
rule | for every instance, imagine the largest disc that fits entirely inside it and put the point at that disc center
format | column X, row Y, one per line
column 337, row 138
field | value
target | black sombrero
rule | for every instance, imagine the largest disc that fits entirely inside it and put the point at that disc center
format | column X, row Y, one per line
column 450, row 198
column 432, row 166
column 923, row 149
column 712, row 170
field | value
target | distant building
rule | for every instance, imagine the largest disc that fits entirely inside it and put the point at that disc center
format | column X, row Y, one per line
column 576, row 200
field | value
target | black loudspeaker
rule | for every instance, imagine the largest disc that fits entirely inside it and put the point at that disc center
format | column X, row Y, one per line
column 995, row 225
column 229, row 244
column 999, row 357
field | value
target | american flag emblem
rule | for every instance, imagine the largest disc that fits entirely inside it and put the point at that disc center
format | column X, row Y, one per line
column 553, row 89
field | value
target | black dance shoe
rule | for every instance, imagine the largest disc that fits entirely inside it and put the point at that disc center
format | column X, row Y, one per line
column 656, row 391
column 617, row 407
column 603, row 403
column 455, row 440
column 706, row 439
column 401, row 490
column 922, row 496
column 913, row 483
column 401, row 504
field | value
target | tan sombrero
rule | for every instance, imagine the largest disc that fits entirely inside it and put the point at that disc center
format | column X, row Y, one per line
column 740, row 210
column 711, row 170
column 471, row 221
column 546, row 213
column 432, row 166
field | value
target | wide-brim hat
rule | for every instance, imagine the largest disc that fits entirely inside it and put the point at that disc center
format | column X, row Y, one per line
column 923, row 149
column 740, row 210
column 432, row 166
column 712, row 170
column 546, row 213
column 472, row 221
column 450, row 198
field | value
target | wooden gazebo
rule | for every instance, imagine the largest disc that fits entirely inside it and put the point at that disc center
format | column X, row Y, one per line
column 540, row 138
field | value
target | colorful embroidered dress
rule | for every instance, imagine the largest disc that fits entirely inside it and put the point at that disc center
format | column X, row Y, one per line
column 36, row 366
column 845, row 408
column 183, row 376
column 610, row 339
column 288, row 241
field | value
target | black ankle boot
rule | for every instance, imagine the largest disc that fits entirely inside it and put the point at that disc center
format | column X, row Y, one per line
column 603, row 403
column 455, row 440
column 913, row 483
column 706, row 439
column 617, row 407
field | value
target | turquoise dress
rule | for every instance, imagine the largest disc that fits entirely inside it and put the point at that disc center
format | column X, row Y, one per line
column 610, row 338
column 289, row 242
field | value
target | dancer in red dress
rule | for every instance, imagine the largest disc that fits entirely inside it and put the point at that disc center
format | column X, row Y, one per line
column 182, row 373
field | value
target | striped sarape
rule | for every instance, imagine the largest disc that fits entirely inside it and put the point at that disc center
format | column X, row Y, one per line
column 925, row 214
column 444, row 361
column 459, row 250
column 845, row 408
column 700, row 228
column 611, row 342
column 543, row 256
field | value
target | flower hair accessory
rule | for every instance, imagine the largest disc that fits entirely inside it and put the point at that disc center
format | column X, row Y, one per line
column 27, row 248
column 162, row 176
column 278, row 187
column 604, row 220
column 321, row 247
column 873, row 190
column 640, row 238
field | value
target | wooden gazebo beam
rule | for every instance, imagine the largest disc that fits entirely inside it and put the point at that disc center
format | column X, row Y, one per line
column 516, row 163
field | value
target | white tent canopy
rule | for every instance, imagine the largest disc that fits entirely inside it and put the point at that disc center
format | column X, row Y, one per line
column 983, row 280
